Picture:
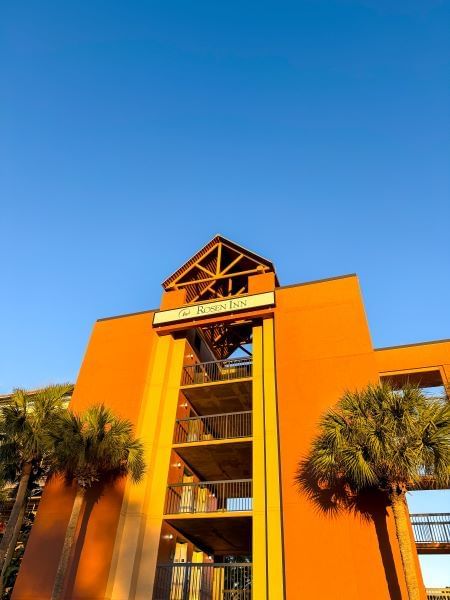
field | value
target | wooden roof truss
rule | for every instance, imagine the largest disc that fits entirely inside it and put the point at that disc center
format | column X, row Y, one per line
column 219, row 270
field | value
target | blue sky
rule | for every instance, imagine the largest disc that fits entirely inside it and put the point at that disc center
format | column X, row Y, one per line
column 313, row 132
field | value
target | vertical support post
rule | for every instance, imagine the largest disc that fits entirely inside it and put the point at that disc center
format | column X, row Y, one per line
column 161, row 390
column 259, row 541
column 268, row 567
column 273, row 487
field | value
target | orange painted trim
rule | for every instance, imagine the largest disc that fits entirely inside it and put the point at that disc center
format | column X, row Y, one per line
column 214, row 515
column 443, row 341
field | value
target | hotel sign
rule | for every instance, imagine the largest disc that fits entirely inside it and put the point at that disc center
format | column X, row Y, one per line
column 210, row 309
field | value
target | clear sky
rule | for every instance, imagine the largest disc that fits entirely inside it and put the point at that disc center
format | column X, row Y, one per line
column 313, row 132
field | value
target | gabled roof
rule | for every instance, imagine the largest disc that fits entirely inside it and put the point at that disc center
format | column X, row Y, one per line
column 221, row 268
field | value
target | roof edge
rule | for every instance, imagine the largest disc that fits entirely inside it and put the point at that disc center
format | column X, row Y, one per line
column 291, row 285
column 132, row 314
column 443, row 341
column 216, row 239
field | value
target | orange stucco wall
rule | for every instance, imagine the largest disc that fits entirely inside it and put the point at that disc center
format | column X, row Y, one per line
column 323, row 346
column 432, row 355
column 114, row 371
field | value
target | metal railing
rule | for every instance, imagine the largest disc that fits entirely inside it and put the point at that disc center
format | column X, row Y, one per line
column 213, row 427
column 438, row 593
column 209, row 496
column 217, row 370
column 431, row 528
column 203, row 581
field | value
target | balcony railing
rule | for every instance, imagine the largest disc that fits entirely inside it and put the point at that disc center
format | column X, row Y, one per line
column 209, row 496
column 431, row 528
column 438, row 593
column 218, row 370
column 213, row 427
column 203, row 581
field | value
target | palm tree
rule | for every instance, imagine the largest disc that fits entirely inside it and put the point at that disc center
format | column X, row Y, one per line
column 382, row 439
column 24, row 425
column 87, row 449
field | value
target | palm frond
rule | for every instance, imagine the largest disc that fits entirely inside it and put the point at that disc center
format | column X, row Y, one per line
column 382, row 437
column 96, row 444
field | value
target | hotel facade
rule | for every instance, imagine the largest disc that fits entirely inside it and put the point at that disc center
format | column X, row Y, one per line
column 225, row 383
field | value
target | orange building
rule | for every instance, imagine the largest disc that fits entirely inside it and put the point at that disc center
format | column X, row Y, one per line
column 225, row 384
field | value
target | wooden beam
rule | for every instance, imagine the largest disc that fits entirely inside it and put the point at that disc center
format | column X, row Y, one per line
column 252, row 258
column 219, row 258
column 175, row 282
column 216, row 278
column 205, row 270
column 232, row 263
column 221, row 276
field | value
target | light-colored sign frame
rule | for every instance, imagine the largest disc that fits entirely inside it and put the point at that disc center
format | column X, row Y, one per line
column 204, row 310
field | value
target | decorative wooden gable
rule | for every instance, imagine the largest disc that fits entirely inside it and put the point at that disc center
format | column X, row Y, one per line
column 219, row 269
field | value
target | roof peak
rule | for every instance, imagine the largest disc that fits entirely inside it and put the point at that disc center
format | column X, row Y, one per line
column 220, row 268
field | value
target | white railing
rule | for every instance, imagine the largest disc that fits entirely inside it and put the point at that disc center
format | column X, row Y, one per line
column 438, row 593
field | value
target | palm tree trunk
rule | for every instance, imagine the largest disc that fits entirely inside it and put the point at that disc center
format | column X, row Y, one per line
column 19, row 502
column 401, row 517
column 12, row 548
column 61, row 573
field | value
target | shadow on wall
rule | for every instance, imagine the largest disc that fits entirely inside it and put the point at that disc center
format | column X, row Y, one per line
column 370, row 505
column 93, row 496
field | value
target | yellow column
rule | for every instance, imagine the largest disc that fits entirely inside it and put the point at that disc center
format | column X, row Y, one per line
column 155, row 499
column 268, row 575
column 273, row 487
column 165, row 367
column 259, row 541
